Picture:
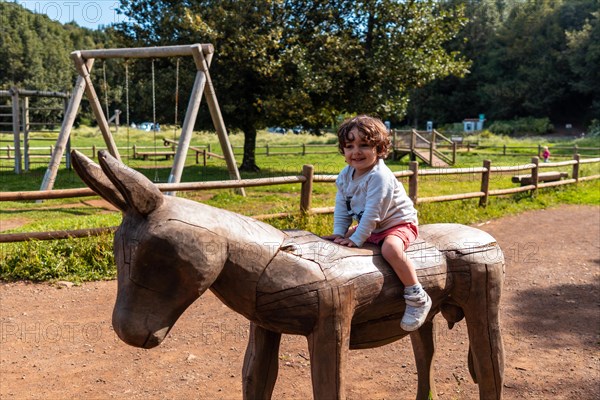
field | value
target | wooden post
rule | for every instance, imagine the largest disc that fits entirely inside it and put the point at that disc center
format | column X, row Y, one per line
column 14, row 92
column 25, row 130
column 84, row 71
column 65, row 130
column 215, row 113
column 535, row 174
column 431, row 146
column 485, row 183
column 413, row 181
column 306, row 190
column 187, row 127
column 453, row 153
column 303, row 149
column 575, row 172
column 267, row 149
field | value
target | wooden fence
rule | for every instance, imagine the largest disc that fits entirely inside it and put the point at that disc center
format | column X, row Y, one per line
column 307, row 178
column 204, row 152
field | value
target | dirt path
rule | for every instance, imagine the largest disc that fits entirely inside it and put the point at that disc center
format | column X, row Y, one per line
column 58, row 343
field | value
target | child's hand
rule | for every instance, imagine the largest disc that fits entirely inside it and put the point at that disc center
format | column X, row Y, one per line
column 345, row 242
column 331, row 237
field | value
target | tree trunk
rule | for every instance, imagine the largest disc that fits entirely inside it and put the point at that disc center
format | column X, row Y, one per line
column 249, row 161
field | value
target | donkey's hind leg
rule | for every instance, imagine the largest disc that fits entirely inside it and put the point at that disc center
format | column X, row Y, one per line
column 485, row 341
column 261, row 363
column 423, row 343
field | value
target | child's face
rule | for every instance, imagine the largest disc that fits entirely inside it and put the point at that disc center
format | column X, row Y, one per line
column 359, row 154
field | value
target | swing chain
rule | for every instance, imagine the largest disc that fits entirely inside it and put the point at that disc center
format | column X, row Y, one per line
column 156, row 178
column 176, row 98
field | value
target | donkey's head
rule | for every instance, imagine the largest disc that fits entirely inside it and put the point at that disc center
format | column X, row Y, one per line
column 162, row 259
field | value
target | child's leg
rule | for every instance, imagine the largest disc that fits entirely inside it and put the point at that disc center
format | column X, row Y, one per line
column 417, row 300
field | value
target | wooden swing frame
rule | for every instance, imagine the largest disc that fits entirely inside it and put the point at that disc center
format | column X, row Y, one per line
column 84, row 61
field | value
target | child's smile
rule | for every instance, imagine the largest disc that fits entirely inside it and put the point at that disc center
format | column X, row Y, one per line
column 359, row 154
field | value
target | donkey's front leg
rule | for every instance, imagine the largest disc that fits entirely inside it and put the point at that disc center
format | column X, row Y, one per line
column 329, row 342
column 261, row 363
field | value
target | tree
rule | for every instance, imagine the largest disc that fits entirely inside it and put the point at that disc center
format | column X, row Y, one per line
column 366, row 56
column 534, row 59
column 583, row 54
column 248, row 51
column 306, row 62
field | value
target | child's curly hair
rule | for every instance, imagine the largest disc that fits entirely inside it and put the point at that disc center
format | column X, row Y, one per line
column 371, row 129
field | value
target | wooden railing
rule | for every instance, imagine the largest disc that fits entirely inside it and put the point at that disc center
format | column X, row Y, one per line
column 307, row 178
column 413, row 141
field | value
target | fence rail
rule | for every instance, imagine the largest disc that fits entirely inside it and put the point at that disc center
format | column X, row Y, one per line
column 8, row 152
column 307, row 178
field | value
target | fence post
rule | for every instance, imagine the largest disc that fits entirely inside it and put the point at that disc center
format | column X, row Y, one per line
column 413, row 181
column 453, row 153
column 535, row 174
column 93, row 151
column 485, row 183
column 306, row 190
column 576, row 168
column 303, row 149
column 267, row 149
column 431, row 146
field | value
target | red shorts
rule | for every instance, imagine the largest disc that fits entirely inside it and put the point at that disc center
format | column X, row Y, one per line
column 407, row 232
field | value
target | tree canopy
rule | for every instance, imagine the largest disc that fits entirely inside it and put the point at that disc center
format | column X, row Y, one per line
column 305, row 63
column 530, row 59
column 288, row 63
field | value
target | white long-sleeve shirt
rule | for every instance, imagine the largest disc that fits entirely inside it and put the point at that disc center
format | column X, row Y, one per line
column 376, row 200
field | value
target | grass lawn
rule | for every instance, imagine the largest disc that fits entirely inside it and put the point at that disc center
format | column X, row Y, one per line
column 91, row 258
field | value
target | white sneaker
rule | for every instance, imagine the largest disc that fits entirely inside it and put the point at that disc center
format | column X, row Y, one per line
column 417, row 308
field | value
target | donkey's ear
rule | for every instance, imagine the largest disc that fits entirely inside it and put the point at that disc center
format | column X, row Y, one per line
column 139, row 192
column 93, row 176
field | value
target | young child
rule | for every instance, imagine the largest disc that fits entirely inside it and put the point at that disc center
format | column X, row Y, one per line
column 546, row 154
column 369, row 193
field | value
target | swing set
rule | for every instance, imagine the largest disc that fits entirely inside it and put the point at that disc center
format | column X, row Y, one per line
column 84, row 60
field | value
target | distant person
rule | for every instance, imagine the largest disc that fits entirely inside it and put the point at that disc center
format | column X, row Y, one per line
column 369, row 193
column 546, row 154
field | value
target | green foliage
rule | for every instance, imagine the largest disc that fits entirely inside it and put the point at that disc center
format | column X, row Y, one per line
column 522, row 126
column 594, row 128
column 530, row 58
column 305, row 63
column 74, row 260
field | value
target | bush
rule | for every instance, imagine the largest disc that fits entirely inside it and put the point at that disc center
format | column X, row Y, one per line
column 522, row 126
column 75, row 260
column 594, row 128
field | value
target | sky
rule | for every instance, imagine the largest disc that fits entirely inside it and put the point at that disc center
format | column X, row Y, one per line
column 90, row 14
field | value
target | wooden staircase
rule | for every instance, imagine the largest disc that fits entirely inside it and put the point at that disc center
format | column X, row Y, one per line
column 425, row 146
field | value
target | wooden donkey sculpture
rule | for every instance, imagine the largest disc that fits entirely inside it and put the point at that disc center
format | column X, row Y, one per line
column 170, row 250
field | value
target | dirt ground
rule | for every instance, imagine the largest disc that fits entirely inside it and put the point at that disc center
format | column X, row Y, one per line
column 57, row 342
